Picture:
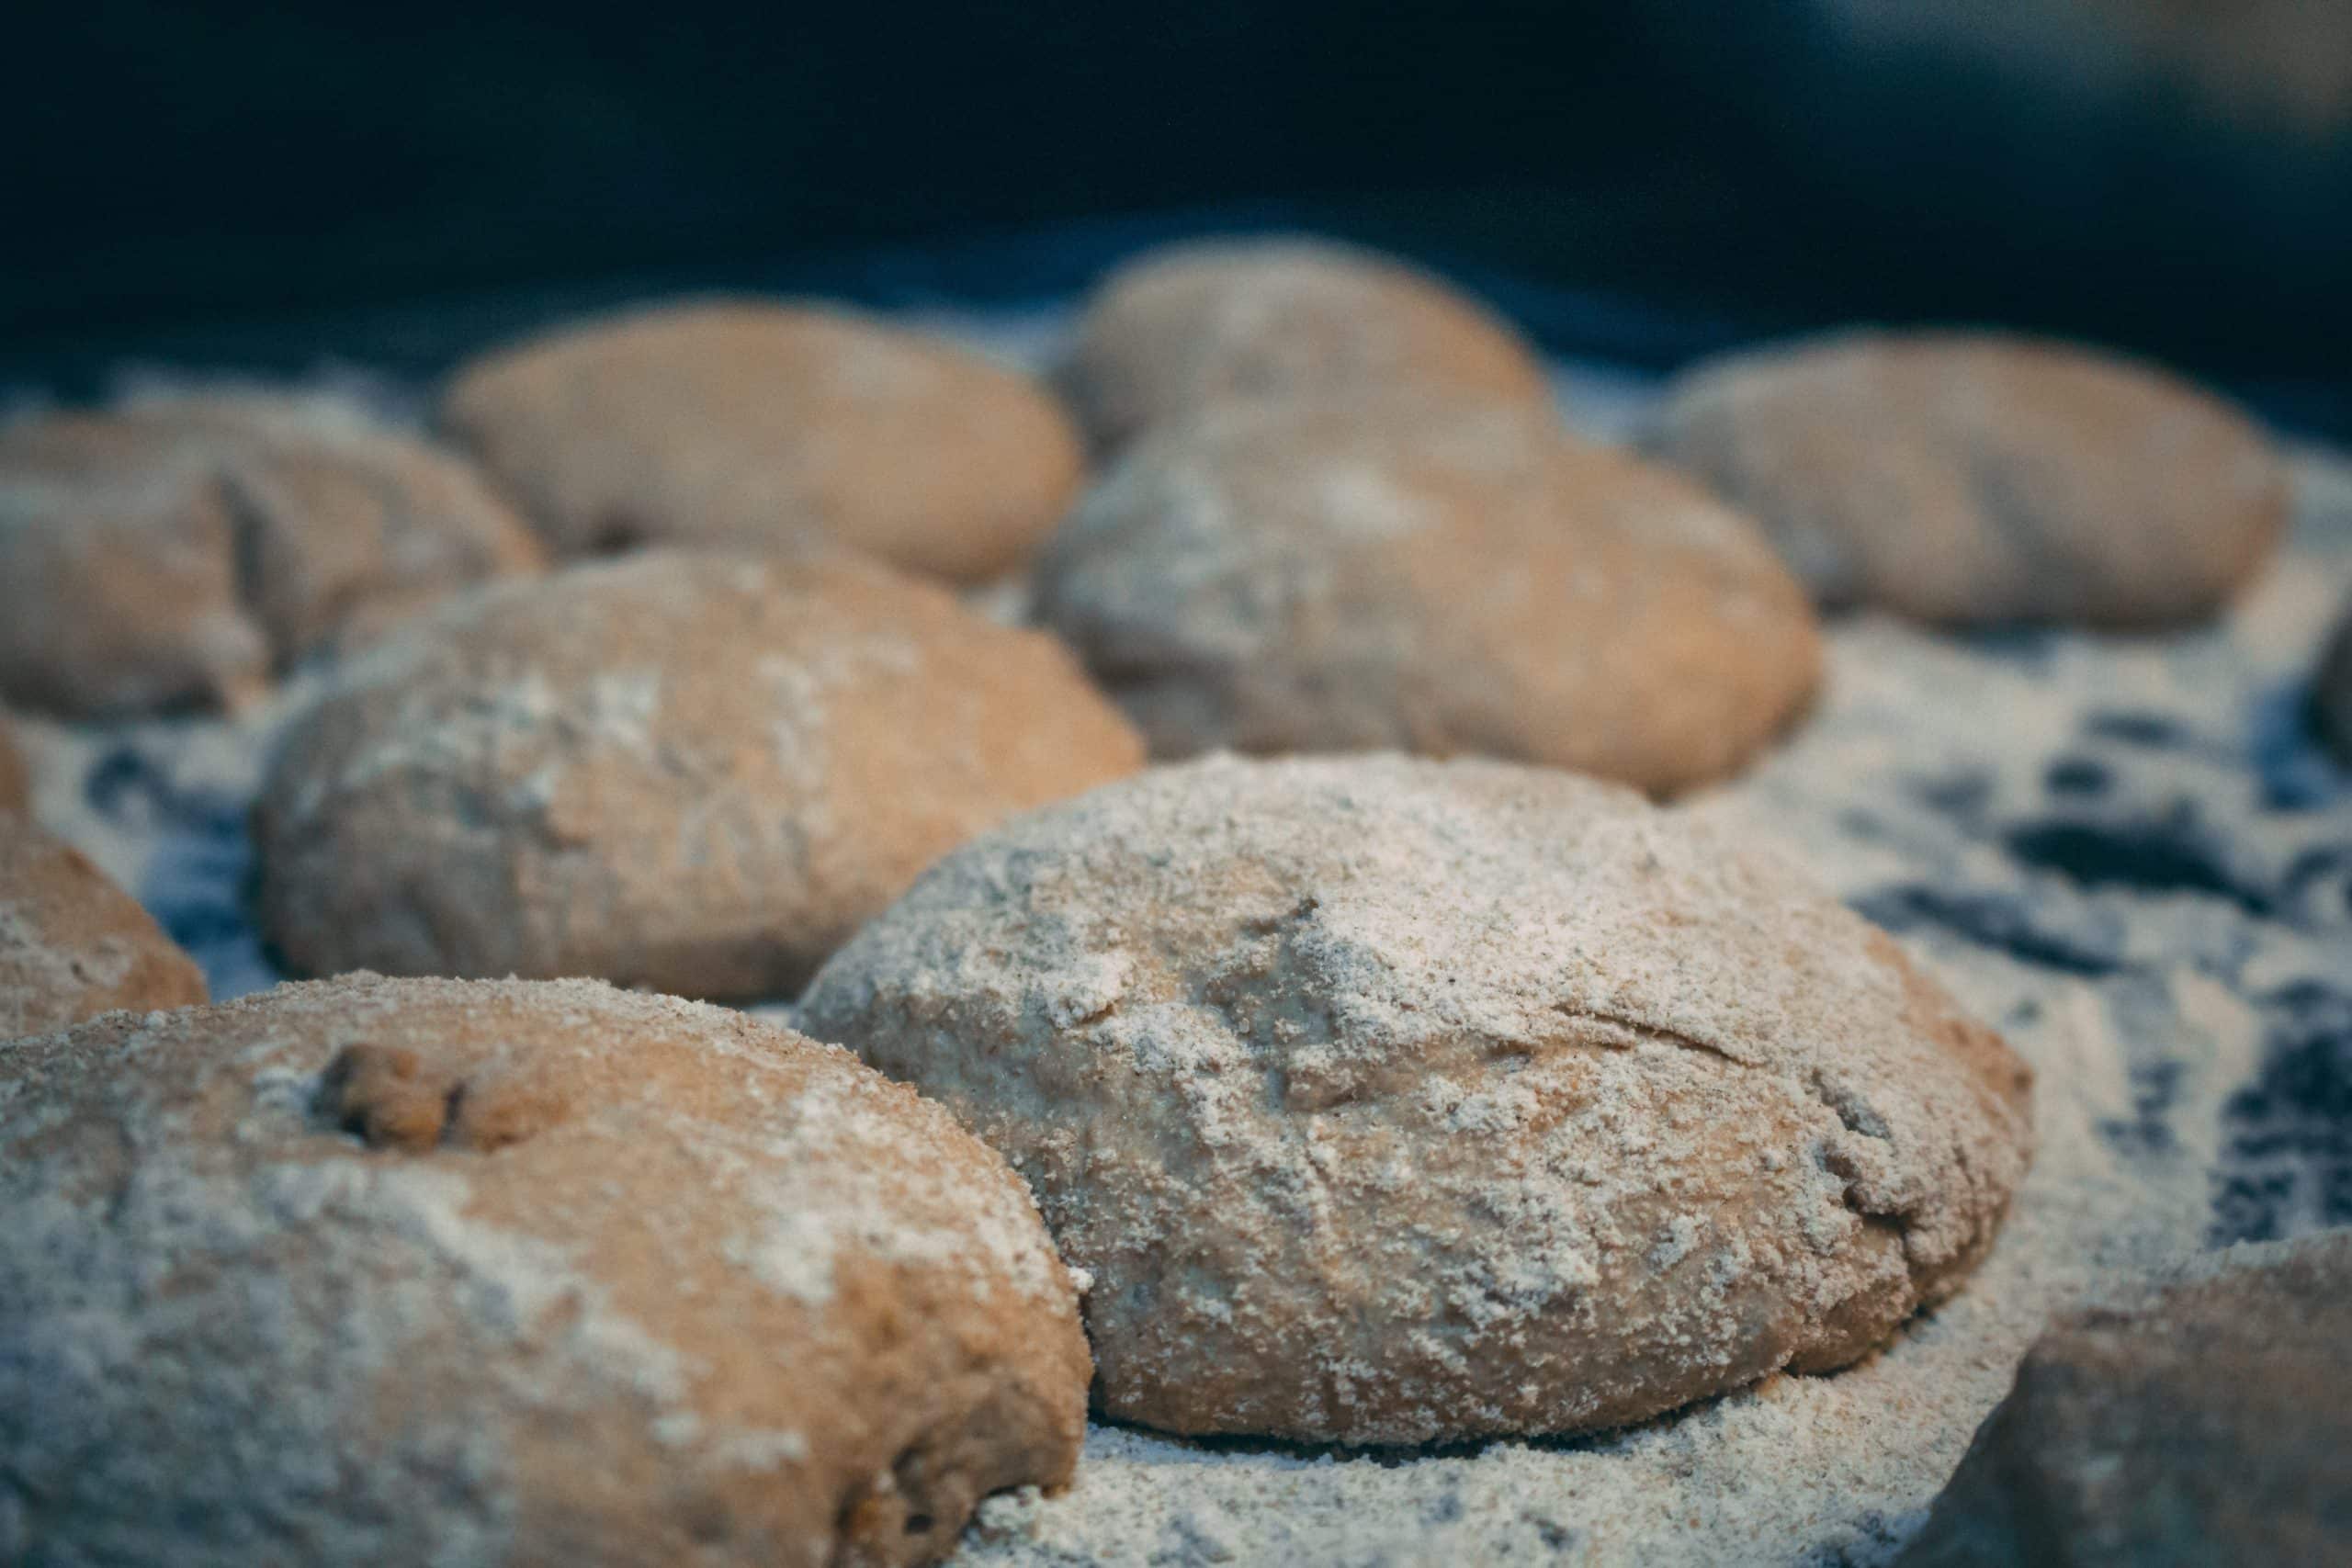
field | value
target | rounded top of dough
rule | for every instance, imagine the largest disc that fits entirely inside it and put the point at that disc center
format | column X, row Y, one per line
column 1437, row 577
column 1192, row 326
column 180, row 551
column 1974, row 477
column 405, row 1271
column 693, row 773
column 747, row 422
column 1388, row 1100
column 72, row 943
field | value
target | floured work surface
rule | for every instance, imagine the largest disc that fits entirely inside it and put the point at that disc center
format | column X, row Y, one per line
column 2126, row 853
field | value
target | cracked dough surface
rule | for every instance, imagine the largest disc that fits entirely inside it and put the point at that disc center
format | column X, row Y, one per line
column 1388, row 1100
column 419, row 1272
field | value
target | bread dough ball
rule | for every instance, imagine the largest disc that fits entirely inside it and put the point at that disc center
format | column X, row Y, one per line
column 510, row 1272
column 1977, row 478
column 693, row 773
column 179, row 552
column 1357, row 574
column 1192, row 326
column 2331, row 690
column 2207, row 1426
column 1389, row 1100
column 72, row 943
column 746, row 423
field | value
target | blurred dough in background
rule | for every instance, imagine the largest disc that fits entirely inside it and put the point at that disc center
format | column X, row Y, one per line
column 183, row 552
column 748, row 424
column 1345, row 574
column 690, row 771
column 1187, row 328
column 1972, row 477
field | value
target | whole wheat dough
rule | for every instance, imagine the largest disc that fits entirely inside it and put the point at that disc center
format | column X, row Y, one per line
column 180, row 552
column 693, row 773
column 506, row 1273
column 1979, row 478
column 72, row 943
column 1192, row 326
column 748, row 422
column 2205, row 1425
column 1388, row 572
column 1387, row 1099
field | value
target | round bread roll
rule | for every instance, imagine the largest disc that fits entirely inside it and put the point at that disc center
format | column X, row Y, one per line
column 510, row 1272
column 693, row 773
column 1192, row 326
column 1388, row 1100
column 1977, row 478
column 746, row 423
column 179, row 552
column 1388, row 572
column 73, row 945
column 16, row 779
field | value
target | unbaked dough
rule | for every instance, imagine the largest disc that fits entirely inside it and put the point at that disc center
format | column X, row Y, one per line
column 1388, row 1100
column 1350, row 574
column 506, row 1272
column 691, row 772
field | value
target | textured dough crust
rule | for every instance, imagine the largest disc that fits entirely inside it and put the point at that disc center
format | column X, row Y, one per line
column 438, row 1271
column 1388, row 1100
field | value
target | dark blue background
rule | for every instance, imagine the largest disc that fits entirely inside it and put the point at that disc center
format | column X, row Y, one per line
column 1647, row 179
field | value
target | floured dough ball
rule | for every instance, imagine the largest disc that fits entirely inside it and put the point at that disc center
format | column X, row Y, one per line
column 693, row 773
column 747, row 423
column 181, row 551
column 1193, row 326
column 1335, row 575
column 1388, row 1100
column 15, row 778
column 73, row 945
column 1976, row 477
column 509, row 1272
column 2331, row 690
column 2208, row 1425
